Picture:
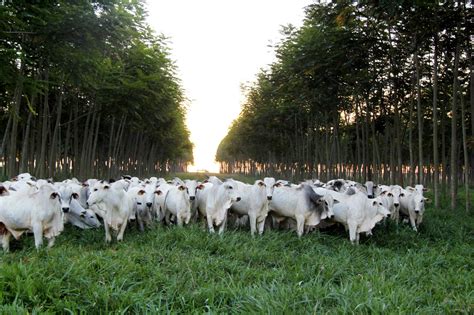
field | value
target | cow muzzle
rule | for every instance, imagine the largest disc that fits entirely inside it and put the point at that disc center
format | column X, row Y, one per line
column 396, row 205
column 269, row 197
column 192, row 198
column 417, row 211
column 238, row 199
column 149, row 204
column 65, row 209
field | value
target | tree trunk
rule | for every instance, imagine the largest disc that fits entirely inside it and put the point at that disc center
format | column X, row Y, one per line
column 12, row 152
column 420, row 119
column 466, row 160
column 454, row 109
column 435, row 123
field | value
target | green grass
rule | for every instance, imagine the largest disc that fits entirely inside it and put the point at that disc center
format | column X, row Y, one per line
column 187, row 270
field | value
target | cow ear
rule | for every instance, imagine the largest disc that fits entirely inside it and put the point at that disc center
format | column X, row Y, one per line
column 277, row 185
column 261, row 184
column 427, row 200
column 425, row 189
column 3, row 191
column 14, row 179
column 158, row 192
column 85, row 185
column 402, row 195
column 390, row 195
column 200, row 186
column 75, row 195
column 205, row 181
column 54, row 195
column 106, row 187
column 141, row 192
column 181, row 187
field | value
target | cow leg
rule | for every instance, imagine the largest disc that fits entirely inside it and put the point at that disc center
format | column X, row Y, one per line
column 108, row 238
column 353, row 232
column 51, row 241
column 253, row 223
column 179, row 219
column 222, row 226
column 412, row 221
column 299, row 225
column 419, row 219
column 210, row 224
column 122, row 231
column 261, row 226
column 140, row 223
column 6, row 241
column 38, row 233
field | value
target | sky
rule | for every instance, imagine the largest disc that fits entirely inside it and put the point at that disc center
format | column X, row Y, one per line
column 218, row 46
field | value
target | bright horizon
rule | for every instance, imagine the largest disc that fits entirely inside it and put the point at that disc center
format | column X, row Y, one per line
column 218, row 46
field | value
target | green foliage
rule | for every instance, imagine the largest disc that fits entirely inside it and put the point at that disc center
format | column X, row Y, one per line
column 347, row 72
column 107, row 62
column 187, row 270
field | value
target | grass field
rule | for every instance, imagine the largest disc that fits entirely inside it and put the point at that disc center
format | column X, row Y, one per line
column 187, row 270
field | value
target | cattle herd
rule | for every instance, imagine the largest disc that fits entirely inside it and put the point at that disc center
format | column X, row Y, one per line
column 43, row 207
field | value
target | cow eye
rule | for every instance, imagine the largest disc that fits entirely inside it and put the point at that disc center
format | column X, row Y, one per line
column 75, row 195
column 390, row 195
column 380, row 203
column 139, row 203
column 422, row 200
column 230, row 187
column 95, row 189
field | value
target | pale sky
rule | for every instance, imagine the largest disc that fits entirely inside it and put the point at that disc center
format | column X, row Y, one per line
column 217, row 46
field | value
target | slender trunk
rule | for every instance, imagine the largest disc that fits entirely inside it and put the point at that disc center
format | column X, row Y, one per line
column 54, row 141
column 26, row 140
column 454, row 109
column 44, row 129
column 4, row 142
column 435, row 123
column 420, row 119
column 12, row 152
column 410, row 136
column 464, row 146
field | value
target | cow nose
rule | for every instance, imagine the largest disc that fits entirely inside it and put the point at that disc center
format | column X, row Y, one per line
column 396, row 204
column 371, row 196
column 388, row 215
column 148, row 204
column 417, row 211
column 192, row 197
column 65, row 209
column 269, row 197
column 238, row 198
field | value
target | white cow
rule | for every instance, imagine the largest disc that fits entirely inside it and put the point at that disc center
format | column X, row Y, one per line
column 177, row 203
column 359, row 214
column 159, row 201
column 219, row 198
column 254, row 203
column 142, row 197
column 413, row 204
column 39, row 212
column 115, row 204
column 74, row 213
column 299, row 203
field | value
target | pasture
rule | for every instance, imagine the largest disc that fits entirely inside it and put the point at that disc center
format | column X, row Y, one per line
column 174, row 270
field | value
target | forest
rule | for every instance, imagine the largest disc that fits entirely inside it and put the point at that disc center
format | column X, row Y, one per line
column 367, row 90
column 87, row 89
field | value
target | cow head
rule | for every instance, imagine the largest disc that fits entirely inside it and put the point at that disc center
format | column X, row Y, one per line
column 269, row 186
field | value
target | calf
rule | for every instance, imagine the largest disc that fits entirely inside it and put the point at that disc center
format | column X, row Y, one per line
column 177, row 203
column 219, row 199
column 413, row 205
column 254, row 203
column 115, row 204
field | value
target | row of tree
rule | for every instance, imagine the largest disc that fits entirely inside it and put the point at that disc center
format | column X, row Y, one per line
column 367, row 90
column 87, row 89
